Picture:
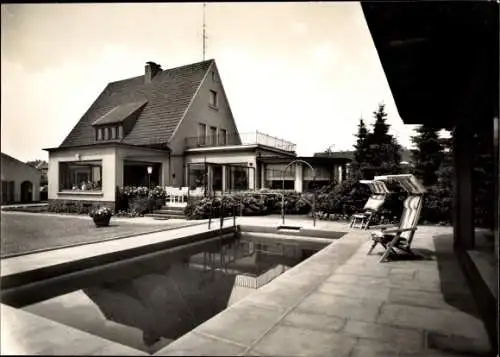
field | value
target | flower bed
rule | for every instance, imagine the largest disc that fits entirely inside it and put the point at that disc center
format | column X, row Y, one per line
column 134, row 201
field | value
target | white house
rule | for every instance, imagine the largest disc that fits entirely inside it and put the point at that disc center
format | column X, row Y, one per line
column 20, row 182
column 171, row 128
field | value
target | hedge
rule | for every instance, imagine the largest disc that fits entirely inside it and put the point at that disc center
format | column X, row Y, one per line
column 248, row 204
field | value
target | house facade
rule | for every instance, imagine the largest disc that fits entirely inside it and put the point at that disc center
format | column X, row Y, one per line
column 20, row 182
column 170, row 128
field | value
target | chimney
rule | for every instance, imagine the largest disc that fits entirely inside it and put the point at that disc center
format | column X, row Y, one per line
column 151, row 70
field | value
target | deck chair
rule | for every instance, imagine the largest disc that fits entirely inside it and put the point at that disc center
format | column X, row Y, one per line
column 372, row 206
column 400, row 236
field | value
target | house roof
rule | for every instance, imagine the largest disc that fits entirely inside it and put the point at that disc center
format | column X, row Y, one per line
column 166, row 99
column 5, row 157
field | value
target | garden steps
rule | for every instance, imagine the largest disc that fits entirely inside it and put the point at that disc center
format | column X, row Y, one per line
column 168, row 212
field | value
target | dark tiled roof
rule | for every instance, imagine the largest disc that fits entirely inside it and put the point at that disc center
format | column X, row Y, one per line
column 119, row 113
column 5, row 157
column 168, row 96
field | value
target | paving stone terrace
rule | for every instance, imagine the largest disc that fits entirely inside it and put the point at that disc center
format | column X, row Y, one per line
column 340, row 302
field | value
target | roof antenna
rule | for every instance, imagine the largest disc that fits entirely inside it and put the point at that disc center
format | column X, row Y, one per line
column 204, row 31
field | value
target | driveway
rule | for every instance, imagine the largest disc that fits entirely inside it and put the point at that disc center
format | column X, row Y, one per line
column 28, row 232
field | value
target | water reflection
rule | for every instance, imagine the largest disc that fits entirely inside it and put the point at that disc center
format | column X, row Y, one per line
column 170, row 298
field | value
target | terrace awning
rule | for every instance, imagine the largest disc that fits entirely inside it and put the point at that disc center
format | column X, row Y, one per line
column 377, row 187
column 407, row 181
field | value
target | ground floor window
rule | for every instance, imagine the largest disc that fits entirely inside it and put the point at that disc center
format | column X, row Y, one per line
column 239, row 178
column 278, row 184
column 80, row 175
column 196, row 175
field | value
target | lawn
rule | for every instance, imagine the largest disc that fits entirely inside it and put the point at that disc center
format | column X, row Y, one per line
column 23, row 233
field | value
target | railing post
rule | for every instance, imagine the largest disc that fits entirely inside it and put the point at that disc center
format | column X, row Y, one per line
column 210, row 217
column 234, row 216
column 314, row 208
column 221, row 215
column 283, row 209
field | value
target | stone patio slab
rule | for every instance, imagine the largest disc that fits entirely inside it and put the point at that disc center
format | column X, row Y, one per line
column 293, row 341
column 311, row 321
column 431, row 319
column 242, row 323
column 425, row 298
column 404, row 339
column 347, row 307
column 196, row 344
column 371, row 348
column 356, row 291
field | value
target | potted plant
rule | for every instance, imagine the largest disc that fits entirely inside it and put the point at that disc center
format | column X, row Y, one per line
column 101, row 216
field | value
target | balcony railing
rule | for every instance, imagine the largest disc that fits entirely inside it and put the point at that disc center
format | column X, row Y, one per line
column 239, row 139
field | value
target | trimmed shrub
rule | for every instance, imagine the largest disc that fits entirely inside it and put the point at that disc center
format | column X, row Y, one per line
column 247, row 204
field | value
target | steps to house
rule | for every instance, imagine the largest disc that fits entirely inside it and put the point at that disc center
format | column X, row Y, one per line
column 168, row 212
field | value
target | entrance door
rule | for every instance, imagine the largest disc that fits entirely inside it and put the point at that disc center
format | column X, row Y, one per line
column 26, row 191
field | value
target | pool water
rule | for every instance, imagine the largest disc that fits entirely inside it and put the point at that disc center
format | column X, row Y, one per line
column 155, row 302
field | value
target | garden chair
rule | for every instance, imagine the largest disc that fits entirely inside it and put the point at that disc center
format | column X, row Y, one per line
column 400, row 236
column 372, row 206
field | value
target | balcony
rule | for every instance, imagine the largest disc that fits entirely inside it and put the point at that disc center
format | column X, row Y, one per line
column 239, row 139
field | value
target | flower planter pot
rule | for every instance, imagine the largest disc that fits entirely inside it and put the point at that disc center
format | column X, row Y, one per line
column 102, row 221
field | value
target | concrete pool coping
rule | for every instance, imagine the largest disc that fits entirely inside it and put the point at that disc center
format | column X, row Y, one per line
column 271, row 319
column 53, row 258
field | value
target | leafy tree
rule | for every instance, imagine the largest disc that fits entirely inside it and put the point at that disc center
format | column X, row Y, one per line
column 438, row 204
column 428, row 154
column 36, row 163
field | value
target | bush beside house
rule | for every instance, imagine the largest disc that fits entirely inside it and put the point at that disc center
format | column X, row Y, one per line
column 248, row 204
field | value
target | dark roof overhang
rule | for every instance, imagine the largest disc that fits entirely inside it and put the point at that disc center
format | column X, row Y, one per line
column 310, row 159
column 440, row 58
column 163, row 148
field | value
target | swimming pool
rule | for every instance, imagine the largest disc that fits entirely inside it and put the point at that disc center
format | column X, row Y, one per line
column 150, row 302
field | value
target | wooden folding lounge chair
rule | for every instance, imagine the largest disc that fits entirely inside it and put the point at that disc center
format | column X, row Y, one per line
column 376, row 200
column 400, row 236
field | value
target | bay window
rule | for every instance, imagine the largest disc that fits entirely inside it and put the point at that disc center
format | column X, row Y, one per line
column 80, row 175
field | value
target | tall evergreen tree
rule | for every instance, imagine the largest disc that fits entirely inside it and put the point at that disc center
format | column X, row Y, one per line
column 385, row 156
column 428, row 154
column 361, row 152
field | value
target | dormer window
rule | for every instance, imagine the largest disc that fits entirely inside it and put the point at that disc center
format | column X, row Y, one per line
column 117, row 122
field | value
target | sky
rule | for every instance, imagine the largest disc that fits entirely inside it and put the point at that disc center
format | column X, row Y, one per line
column 305, row 72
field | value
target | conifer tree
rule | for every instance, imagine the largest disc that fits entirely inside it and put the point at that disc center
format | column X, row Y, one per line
column 428, row 154
column 383, row 148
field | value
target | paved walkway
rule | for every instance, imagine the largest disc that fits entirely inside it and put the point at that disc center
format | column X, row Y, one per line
column 344, row 303
column 339, row 302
